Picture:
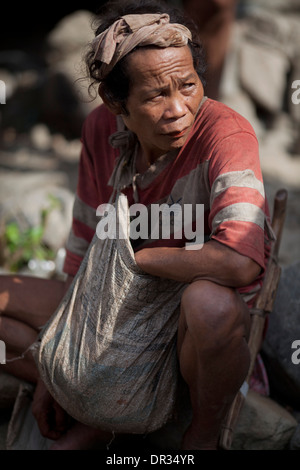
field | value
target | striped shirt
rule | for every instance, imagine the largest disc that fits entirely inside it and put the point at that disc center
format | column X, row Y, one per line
column 218, row 167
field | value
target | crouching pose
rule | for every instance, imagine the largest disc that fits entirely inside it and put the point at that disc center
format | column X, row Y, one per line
column 181, row 147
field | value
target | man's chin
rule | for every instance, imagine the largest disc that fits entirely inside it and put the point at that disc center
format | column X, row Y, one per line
column 177, row 143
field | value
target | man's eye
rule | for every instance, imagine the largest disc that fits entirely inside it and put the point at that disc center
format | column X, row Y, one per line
column 154, row 97
column 188, row 85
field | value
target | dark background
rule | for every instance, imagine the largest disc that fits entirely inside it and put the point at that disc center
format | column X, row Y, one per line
column 22, row 25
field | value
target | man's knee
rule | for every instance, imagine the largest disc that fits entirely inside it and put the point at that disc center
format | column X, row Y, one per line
column 213, row 310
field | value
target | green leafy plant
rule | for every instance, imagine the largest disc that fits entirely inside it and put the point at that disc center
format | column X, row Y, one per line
column 20, row 246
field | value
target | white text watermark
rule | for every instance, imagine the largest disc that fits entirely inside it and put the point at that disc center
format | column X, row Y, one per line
column 2, row 352
column 162, row 221
column 296, row 354
column 2, row 92
column 296, row 94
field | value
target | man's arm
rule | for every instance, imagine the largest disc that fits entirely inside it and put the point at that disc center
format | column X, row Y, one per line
column 214, row 261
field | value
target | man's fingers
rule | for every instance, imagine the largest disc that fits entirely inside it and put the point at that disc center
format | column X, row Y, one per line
column 44, row 424
column 61, row 418
column 47, row 423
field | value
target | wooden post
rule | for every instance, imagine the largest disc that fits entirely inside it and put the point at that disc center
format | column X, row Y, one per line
column 263, row 306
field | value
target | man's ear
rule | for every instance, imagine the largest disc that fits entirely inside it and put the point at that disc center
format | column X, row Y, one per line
column 114, row 106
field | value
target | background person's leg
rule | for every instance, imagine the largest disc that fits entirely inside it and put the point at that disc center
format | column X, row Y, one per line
column 215, row 19
column 18, row 337
column 28, row 299
column 26, row 303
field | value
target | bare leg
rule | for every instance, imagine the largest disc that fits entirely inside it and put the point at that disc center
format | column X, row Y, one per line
column 18, row 337
column 213, row 355
column 28, row 299
column 26, row 303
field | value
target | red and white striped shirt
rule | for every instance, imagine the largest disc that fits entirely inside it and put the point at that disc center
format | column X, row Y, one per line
column 218, row 166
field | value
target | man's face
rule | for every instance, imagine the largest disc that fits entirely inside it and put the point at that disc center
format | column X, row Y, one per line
column 164, row 98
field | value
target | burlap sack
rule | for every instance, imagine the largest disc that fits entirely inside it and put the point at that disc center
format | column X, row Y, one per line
column 108, row 354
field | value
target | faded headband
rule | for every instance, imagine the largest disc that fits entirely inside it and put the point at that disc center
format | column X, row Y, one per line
column 130, row 31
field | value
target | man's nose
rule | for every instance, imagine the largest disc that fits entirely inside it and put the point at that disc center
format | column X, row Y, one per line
column 175, row 107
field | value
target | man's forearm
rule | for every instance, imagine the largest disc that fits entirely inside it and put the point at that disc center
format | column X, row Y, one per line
column 214, row 262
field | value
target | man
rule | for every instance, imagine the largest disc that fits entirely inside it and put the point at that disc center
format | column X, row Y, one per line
column 176, row 146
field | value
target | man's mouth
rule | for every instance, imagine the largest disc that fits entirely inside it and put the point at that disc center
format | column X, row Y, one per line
column 177, row 134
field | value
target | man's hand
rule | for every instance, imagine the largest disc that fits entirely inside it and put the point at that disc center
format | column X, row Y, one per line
column 52, row 420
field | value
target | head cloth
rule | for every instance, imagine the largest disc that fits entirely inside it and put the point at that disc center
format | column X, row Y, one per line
column 130, row 31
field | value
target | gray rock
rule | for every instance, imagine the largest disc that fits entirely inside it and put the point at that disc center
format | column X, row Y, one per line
column 66, row 150
column 273, row 5
column 261, row 64
column 40, row 137
column 263, row 73
column 295, row 440
column 66, row 101
column 289, row 248
column 273, row 29
column 71, row 33
column 276, row 161
column 279, row 165
column 263, row 425
column 283, row 330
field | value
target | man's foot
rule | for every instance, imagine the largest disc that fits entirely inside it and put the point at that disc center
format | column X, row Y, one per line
column 193, row 441
column 83, row 437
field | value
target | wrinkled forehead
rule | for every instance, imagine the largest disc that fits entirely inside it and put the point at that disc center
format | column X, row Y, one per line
column 148, row 63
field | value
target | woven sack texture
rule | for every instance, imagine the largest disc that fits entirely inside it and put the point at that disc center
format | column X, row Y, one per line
column 108, row 354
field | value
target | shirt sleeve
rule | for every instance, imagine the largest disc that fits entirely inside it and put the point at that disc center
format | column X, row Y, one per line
column 84, row 215
column 95, row 166
column 237, row 203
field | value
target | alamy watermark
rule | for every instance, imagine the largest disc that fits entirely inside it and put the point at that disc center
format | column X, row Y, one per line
column 2, row 352
column 162, row 221
column 2, row 92
column 296, row 94
column 296, row 354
